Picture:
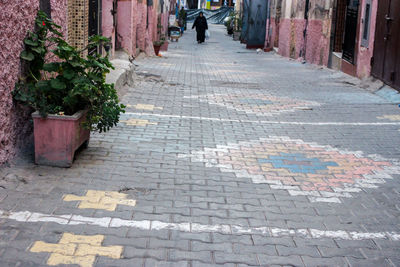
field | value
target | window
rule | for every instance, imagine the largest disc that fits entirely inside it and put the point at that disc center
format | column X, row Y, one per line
column 366, row 24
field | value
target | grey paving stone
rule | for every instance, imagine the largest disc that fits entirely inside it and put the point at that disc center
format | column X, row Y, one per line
column 368, row 262
column 266, row 260
column 161, row 243
column 201, row 264
column 265, row 240
column 107, row 262
column 248, row 249
column 222, row 258
column 311, row 251
column 331, row 261
column 133, row 252
column 203, row 246
column 155, row 263
column 178, row 255
column 223, row 238
column 341, row 252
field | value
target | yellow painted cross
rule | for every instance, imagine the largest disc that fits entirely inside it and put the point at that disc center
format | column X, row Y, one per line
column 144, row 107
column 137, row 122
column 77, row 249
column 390, row 117
column 104, row 200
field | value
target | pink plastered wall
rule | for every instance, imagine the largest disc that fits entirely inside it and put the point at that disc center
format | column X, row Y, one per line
column 125, row 25
column 365, row 53
column 108, row 23
column 274, row 30
column 17, row 19
column 318, row 40
column 136, row 25
column 315, row 46
column 291, row 39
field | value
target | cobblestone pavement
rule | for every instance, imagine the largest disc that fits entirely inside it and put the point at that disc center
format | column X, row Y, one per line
column 225, row 157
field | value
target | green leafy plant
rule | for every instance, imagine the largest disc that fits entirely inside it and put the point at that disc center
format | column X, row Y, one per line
column 160, row 35
column 59, row 80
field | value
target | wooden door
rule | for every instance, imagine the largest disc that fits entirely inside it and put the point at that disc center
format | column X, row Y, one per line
column 350, row 31
column 386, row 60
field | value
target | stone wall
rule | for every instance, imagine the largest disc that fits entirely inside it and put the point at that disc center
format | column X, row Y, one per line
column 17, row 18
column 314, row 45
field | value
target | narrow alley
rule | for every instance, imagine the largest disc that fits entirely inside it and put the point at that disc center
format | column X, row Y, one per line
column 224, row 157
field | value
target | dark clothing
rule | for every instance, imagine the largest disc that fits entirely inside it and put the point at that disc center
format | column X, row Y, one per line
column 201, row 26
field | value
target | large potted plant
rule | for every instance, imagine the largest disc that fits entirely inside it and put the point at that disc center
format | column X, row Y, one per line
column 67, row 91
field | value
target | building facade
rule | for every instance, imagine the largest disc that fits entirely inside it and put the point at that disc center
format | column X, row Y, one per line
column 17, row 19
column 132, row 25
column 356, row 36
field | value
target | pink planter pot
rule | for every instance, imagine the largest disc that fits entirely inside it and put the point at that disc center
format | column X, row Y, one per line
column 58, row 137
column 164, row 47
column 157, row 49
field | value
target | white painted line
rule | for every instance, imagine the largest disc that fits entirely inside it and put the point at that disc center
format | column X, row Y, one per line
column 107, row 222
column 269, row 122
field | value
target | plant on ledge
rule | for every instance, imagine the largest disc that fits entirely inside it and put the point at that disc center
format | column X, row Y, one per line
column 59, row 80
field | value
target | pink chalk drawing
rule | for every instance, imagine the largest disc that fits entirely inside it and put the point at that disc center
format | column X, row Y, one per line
column 258, row 104
column 321, row 173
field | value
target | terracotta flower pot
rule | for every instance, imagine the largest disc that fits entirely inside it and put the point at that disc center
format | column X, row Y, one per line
column 157, row 49
column 58, row 137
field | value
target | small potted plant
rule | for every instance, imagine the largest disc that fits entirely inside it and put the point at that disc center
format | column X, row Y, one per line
column 67, row 91
column 237, row 29
column 158, row 43
column 157, row 46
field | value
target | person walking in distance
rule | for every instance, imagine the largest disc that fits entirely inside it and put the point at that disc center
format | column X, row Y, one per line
column 201, row 26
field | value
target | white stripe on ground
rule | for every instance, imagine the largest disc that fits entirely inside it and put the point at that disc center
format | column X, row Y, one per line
column 108, row 222
column 268, row 122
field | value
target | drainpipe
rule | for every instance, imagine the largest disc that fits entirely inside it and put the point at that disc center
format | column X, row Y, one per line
column 268, row 37
column 304, row 50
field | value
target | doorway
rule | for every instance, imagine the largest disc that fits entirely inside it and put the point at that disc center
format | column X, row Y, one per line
column 94, row 21
column 386, row 59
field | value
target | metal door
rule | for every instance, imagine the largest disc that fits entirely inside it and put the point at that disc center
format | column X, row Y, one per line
column 350, row 32
column 256, row 22
column 245, row 21
column 94, row 27
column 386, row 60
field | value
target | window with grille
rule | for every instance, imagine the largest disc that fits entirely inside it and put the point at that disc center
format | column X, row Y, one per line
column 366, row 24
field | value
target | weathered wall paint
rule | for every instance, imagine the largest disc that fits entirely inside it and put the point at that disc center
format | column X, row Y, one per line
column 125, row 25
column 314, row 46
column 108, row 29
column 365, row 54
column 17, row 18
column 136, row 24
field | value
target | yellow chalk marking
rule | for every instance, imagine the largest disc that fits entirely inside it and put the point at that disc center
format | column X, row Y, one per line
column 137, row 122
column 390, row 117
column 144, row 107
column 103, row 200
column 77, row 249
